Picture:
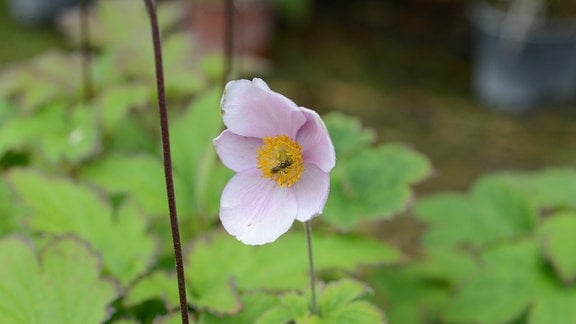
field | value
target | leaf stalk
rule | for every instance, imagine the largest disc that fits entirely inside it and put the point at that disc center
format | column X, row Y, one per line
column 313, row 304
column 87, row 87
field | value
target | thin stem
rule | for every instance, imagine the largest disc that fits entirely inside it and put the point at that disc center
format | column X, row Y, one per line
column 85, row 50
column 228, row 40
column 313, row 306
column 167, row 158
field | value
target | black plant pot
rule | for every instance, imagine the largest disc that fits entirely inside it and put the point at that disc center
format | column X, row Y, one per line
column 516, row 73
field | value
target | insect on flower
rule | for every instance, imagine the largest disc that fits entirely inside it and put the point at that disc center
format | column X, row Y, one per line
column 283, row 165
column 282, row 155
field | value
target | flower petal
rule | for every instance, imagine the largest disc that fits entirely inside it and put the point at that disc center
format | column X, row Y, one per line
column 255, row 209
column 261, row 83
column 251, row 109
column 317, row 147
column 236, row 152
column 311, row 192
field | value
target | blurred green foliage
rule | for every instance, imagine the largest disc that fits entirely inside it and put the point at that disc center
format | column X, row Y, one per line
column 84, row 231
column 504, row 252
column 369, row 182
column 59, row 284
column 83, row 214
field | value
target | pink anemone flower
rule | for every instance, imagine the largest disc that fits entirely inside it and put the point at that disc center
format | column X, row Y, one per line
column 282, row 155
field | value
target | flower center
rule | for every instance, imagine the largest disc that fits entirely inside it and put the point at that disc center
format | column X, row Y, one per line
column 280, row 159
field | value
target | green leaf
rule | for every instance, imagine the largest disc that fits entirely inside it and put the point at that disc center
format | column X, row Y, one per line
column 451, row 219
column 64, row 286
column 215, row 177
column 115, row 103
column 212, row 65
column 502, row 290
column 554, row 309
column 553, row 188
column 254, row 304
column 419, row 291
column 74, row 137
column 19, row 131
column 347, row 135
column 134, row 137
column 9, row 212
column 172, row 318
column 548, row 189
column 125, row 321
column 375, row 183
column 105, row 74
column 113, row 21
column 344, row 252
column 292, row 307
column 368, row 182
column 194, row 156
column 140, row 177
column 10, row 80
column 295, row 11
column 410, row 294
column 453, row 267
column 559, row 244
column 493, row 211
column 57, row 133
column 158, row 285
column 48, row 78
column 7, row 110
column 223, row 266
column 116, row 27
column 127, row 249
column 60, row 70
column 192, row 133
column 183, row 75
column 503, row 204
column 339, row 302
column 58, row 206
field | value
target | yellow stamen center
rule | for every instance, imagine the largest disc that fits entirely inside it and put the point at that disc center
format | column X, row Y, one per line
column 280, row 159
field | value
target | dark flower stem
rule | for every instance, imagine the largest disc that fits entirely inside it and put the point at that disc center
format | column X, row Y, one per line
column 313, row 306
column 85, row 51
column 167, row 158
column 228, row 41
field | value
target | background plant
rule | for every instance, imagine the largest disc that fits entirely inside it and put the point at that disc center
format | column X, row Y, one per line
column 503, row 252
column 82, row 185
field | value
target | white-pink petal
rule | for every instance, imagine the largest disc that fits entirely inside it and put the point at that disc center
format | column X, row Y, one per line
column 317, row 147
column 311, row 192
column 256, row 210
column 261, row 83
column 251, row 109
column 236, row 152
